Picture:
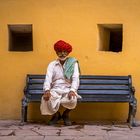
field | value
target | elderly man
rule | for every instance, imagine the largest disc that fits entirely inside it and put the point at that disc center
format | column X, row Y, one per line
column 61, row 84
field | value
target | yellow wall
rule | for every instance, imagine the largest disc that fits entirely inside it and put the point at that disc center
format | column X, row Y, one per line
column 74, row 21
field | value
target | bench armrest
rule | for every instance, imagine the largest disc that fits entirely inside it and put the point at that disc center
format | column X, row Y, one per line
column 25, row 90
column 133, row 90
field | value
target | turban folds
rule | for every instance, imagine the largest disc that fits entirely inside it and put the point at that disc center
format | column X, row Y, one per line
column 61, row 45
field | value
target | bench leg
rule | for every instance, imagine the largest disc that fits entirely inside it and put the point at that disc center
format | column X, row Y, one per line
column 24, row 110
column 132, row 113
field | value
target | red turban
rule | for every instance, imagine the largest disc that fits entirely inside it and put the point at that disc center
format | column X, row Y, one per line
column 61, row 45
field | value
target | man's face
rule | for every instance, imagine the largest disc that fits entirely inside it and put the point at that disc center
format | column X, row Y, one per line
column 62, row 55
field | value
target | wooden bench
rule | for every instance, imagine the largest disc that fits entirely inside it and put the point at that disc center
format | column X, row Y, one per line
column 93, row 88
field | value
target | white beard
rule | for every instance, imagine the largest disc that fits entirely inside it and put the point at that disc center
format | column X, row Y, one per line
column 62, row 59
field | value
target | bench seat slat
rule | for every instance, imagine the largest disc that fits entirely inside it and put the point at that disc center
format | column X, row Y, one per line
column 104, row 96
column 104, row 100
column 121, row 98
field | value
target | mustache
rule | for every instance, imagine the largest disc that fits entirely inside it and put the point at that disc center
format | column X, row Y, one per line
column 63, row 55
column 62, row 59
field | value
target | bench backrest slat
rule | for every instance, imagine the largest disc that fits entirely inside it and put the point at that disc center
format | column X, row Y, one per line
column 96, row 92
column 90, row 87
column 87, row 81
column 106, row 92
column 104, row 77
column 103, row 87
column 84, row 77
column 36, row 81
column 102, row 82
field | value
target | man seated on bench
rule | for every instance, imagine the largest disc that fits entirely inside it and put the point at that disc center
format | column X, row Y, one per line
column 61, row 85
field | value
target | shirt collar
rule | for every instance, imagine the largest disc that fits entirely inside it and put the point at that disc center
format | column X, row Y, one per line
column 57, row 62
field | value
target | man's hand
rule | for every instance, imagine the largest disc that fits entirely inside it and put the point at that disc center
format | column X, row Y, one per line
column 71, row 95
column 47, row 95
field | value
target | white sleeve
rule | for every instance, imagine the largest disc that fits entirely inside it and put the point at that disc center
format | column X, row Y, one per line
column 75, row 78
column 48, row 78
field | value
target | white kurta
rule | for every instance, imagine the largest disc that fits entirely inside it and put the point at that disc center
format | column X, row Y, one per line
column 59, row 88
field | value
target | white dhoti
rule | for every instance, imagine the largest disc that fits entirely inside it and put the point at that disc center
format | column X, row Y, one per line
column 58, row 97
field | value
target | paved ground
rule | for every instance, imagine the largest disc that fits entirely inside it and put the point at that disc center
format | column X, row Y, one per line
column 12, row 130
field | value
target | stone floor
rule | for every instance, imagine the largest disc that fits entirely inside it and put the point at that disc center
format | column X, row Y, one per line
column 12, row 130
